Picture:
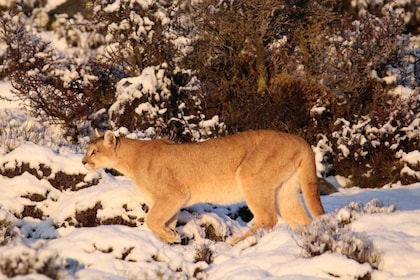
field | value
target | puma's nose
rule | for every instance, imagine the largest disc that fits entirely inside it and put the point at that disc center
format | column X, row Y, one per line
column 84, row 161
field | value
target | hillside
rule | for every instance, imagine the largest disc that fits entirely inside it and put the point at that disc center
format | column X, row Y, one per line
column 91, row 226
column 344, row 77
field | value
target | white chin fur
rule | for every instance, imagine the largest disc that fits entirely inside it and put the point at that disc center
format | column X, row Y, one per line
column 89, row 167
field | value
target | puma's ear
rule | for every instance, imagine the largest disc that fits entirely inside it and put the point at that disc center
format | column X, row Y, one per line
column 109, row 139
column 98, row 133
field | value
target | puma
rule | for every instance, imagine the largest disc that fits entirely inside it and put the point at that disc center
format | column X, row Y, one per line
column 265, row 168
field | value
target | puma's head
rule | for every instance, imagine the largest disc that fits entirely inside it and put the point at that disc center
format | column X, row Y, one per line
column 101, row 152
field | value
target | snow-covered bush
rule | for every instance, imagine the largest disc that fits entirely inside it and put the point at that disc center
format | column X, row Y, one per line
column 72, row 84
column 56, row 86
column 149, row 100
column 17, row 258
column 329, row 236
column 28, row 6
column 136, row 33
column 80, row 35
column 331, row 233
column 7, row 232
column 17, row 128
column 356, row 61
column 369, row 148
column 144, row 41
column 409, row 9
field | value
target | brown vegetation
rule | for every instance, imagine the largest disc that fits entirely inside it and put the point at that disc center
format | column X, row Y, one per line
column 309, row 68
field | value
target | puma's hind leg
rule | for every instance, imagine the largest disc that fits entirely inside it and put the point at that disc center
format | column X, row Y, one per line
column 290, row 205
column 261, row 202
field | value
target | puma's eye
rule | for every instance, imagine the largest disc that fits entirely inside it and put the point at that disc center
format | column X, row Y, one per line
column 93, row 153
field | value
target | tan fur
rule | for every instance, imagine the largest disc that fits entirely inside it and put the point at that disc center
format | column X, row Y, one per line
column 265, row 168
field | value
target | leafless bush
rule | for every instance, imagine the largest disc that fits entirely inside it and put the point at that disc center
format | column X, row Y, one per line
column 330, row 233
column 145, row 43
column 204, row 253
column 368, row 147
column 21, row 259
column 7, row 232
column 60, row 88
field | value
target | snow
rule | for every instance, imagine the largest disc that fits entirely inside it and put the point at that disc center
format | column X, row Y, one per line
column 114, row 7
column 68, row 163
column 7, row 99
column 147, row 83
column 123, row 252
column 111, row 251
column 52, row 4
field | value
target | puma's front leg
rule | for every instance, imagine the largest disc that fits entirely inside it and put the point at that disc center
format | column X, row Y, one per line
column 157, row 222
column 163, row 216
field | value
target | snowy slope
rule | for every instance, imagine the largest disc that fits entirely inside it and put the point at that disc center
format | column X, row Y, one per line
column 67, row 223
column 133, row 252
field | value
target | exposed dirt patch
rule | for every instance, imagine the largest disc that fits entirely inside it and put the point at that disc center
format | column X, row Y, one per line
column 211, row 233
column 32, row 211
column 60, row 180
column 73, row 182
column 35, row 197
column 87, row 218
column 40, row 172
column 118, row 220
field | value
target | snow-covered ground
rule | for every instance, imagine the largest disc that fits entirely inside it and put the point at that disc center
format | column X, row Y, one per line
column 68, row 223
column 61, row 234
column 123, row 252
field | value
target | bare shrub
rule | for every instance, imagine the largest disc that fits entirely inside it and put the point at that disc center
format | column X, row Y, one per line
column 330, row 233
column 7, row 232
column 21, row 259
column 368, row 147
column 329, row 236
column 204, row 253
column 58, row 87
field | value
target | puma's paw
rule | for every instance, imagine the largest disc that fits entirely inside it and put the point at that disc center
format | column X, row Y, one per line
column 236, row 240
column 242, row 243
column 171, row 237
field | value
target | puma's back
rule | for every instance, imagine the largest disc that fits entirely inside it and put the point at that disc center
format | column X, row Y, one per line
column 264, row 168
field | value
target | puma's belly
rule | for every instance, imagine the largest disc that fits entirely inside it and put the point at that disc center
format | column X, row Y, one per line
column 220, row 193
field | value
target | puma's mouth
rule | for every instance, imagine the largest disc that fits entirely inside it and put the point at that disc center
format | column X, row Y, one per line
column 88, row 165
